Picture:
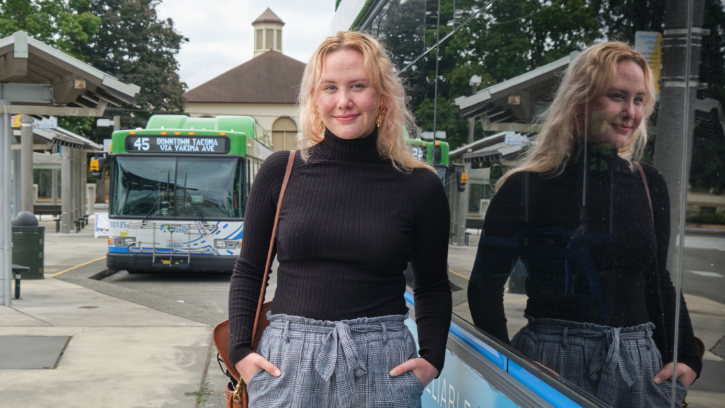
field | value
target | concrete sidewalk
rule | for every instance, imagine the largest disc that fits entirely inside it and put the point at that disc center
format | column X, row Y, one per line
column 117, row 353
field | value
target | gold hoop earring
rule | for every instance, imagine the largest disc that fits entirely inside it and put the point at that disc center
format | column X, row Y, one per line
column 382, row 112
column 318, row 120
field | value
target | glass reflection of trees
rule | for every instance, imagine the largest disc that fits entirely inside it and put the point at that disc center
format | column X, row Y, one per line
column 513, row 37
column 577, row 213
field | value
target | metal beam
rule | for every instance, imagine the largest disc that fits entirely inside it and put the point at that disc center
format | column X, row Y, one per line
column 33, row 93
column 46, row 146
column 49, row 110
column 65, row 90
column 12, row 69
column 514, row 127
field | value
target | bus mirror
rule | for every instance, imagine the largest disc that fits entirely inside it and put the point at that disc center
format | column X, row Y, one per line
column 97, row 167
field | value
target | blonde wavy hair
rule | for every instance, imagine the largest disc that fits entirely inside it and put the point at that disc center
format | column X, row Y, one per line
column 379, row 68
column 564, row 128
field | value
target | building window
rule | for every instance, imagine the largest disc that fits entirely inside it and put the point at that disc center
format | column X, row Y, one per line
column 259, row 40
column 284, row 133
column 279, row 40
column 269, row 39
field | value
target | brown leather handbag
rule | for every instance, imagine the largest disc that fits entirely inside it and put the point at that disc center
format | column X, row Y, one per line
column 236, row 397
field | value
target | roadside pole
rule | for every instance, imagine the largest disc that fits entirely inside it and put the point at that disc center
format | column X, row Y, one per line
column 463, row 197
column 5, row 215
column 26, row 163
column 675, row 119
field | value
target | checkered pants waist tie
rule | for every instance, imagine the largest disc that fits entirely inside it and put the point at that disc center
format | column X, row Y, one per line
column 611, row 352
column 339, row 346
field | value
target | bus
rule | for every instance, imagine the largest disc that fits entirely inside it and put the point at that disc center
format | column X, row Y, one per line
column 178, row 192
column 434, row 153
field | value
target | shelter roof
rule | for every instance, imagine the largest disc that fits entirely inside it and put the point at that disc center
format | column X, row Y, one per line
column 271, row 78
column 26, row 62
column 62, row 137
column 542, row 79
column 268, row 17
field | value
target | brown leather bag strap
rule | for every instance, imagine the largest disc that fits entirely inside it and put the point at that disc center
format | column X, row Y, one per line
column 287, row 173
column 659, row 287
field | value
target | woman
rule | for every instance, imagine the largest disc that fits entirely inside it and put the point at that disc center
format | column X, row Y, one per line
column 357, row 209
column 600, row 305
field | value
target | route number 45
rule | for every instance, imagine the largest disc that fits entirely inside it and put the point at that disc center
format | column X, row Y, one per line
column 142, row 143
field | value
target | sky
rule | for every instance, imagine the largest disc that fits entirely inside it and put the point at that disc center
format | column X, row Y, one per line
column 221, row 35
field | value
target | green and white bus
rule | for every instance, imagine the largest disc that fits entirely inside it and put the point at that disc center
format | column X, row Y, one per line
column 179, row 190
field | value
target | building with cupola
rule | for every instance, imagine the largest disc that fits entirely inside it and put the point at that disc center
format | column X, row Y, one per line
column 265, row 87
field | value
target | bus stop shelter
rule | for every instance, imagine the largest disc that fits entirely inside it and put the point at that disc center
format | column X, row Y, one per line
column 50, row 142
column 36, row 81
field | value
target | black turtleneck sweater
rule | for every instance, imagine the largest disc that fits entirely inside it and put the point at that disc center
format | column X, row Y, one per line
column 349, row 224
column 612, row 277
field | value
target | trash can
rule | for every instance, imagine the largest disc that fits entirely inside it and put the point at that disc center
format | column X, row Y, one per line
column 28, row 245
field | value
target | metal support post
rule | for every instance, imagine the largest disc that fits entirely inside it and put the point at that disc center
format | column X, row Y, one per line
column 65, row 176
column 91, row 194
column 463, row 197
column 26, row 174
column 84, row 181
column 74, row 181
column 54, row 180
column 5, row 215
column 16, row 189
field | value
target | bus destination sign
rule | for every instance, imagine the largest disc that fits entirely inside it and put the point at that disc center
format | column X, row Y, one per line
column 177, row 144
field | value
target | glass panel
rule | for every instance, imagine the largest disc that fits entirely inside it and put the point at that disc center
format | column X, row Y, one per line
column 178, row 187
column 207, row 187
column 570, row 251
column 144, row 187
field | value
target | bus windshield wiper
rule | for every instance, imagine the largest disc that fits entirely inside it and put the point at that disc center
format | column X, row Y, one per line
column 191, row 200
column 165, row 195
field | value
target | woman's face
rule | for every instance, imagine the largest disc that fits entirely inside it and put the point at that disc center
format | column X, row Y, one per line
column 347, row 102
column 615, row 116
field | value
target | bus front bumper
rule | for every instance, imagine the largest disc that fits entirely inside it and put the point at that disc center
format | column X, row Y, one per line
column 145, row 262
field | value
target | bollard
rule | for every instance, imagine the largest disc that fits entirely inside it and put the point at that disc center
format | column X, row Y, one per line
column 18, row 275
column 18, row 278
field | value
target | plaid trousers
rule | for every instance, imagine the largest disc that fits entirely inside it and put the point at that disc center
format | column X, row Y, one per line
column 617, row 365
column 336, row 364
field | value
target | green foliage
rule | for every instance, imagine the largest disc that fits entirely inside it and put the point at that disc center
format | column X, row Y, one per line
column 496, row 172
column 201, row 394
column 507, row 40
column 137, row 47
column 58, row 23
column 712, row 219
column 123, row 38
column 448, row 120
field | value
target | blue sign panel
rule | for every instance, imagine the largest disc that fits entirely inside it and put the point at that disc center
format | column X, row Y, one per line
column 460, row 386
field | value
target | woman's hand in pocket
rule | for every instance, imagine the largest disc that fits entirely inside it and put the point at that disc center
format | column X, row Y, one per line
column 420, row 367
column 249, row 365
column 684, row 373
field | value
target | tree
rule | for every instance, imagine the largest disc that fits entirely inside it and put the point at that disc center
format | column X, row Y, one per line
column 135, row 46
column 57, row 23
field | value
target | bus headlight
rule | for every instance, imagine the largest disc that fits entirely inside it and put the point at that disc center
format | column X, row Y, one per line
column 225, row 243
column 123, row 241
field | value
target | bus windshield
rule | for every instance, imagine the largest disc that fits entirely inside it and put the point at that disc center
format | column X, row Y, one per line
column 181, row 187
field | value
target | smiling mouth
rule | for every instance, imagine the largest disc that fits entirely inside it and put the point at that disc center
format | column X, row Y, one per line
column 346, row 118
column 623, row 129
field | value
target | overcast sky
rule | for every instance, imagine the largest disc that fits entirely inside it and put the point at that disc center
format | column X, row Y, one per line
column 221, row 35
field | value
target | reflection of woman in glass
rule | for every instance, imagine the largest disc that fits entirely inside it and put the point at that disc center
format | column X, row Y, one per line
column 576, row 214
column 358, row 208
